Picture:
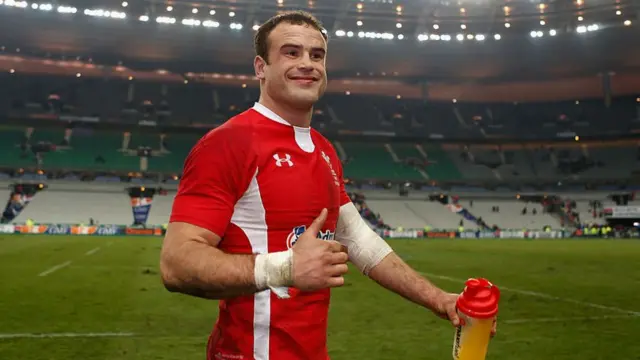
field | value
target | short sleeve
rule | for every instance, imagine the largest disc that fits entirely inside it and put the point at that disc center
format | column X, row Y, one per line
column 215, row 175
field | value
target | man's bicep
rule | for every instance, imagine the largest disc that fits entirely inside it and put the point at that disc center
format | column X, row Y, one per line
column 179, row 232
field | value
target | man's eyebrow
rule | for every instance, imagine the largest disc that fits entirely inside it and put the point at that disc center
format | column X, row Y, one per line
column 297, row 46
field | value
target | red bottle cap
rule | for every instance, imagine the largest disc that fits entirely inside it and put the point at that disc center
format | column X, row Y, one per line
column 479, row 299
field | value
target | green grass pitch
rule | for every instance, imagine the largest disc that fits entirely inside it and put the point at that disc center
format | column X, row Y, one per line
column 562, row 299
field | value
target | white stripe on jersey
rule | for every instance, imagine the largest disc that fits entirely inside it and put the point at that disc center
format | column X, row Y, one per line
column 249, row 215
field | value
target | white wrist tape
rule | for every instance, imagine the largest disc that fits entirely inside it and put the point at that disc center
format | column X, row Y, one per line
column 366, row 248
column 274, row 271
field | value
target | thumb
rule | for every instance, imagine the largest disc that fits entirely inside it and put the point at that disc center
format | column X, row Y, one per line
column 317, row 224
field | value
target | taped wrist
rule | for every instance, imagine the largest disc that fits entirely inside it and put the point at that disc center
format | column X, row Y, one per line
column 274, row 271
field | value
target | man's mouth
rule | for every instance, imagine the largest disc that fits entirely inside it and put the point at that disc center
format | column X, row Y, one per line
column 304, row 79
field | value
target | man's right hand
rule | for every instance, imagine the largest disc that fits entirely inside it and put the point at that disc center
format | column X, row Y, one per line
column 318, row 264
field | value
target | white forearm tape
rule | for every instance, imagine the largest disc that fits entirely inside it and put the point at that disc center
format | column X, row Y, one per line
column 274, row 271
column 366, row 248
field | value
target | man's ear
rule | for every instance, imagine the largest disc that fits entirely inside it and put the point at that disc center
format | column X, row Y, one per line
column 259, row 65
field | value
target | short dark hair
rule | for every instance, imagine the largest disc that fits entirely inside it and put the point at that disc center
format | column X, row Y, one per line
column 297, row 17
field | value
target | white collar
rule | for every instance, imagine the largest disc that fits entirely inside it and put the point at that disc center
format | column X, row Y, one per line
column 302, row 134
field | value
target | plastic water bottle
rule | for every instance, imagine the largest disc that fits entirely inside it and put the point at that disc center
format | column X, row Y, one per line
column 477, row 307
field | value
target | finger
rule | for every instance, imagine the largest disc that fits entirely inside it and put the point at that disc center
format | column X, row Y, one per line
column 335, row 281
column 494, row 328
column 317, row 224
column 452, row 314
column 338, row 258
column 338, row 269
column 334, row 246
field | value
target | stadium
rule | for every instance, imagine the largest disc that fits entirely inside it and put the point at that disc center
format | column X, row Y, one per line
column 480, row 139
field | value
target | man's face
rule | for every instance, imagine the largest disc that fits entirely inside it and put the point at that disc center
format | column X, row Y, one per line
column 296, row 73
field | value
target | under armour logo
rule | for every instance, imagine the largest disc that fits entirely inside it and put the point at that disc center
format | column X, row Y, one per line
column 285, row 160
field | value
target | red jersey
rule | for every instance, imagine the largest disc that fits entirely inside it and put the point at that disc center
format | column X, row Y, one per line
column 258, row 183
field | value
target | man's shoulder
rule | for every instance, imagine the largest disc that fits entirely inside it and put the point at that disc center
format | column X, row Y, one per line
column 237, row 128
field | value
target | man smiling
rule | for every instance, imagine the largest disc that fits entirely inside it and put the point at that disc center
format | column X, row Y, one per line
column 262, row 220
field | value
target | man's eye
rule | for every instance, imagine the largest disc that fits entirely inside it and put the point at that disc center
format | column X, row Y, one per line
column 292, row 53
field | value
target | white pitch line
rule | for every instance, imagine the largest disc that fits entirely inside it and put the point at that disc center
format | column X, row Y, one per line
column 64, row 335
column 544, row 296
column 92, row 251
column 55, row 268
column 568, row 319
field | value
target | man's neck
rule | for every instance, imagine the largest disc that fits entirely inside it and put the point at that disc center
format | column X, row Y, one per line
column 295, row 117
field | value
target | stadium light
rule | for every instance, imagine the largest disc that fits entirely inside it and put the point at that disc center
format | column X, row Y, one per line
column 256, row 27
column 436, row 26
column 497, row 36
column 480, row 37
column 460, row 37
column 18, row 4
column 400, row 37
column 581, row 29
column 580, row 18
column 434, row 37
column 533, row 34
column 236, row 26
column 210, row 23
column 627, row 23
column 169, row 8
column 445, row 37
column 143, row 18
column 34, row 6
column 212, row 12
column 191, row 22
column 105, row 13
column 359, row 23
column 125, row 4
column 67, row 10
column 543, row 23
column 423, row 37
column 618, row 12
column 593, row 27
column 350, row 33
column 194, row 11
column 398, row 25
column 463, row 26
column 341, row 33
column 552, row 32
column 165, row 20
column 361, row 34
column 507, row 25
column 470, row 36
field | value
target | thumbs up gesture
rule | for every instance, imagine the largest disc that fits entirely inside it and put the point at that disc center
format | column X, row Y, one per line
column 318, row 264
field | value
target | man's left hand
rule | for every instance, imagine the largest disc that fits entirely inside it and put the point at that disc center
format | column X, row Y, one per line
column 445, row 307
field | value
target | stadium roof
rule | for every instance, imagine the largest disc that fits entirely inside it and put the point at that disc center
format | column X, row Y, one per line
column 416, row 40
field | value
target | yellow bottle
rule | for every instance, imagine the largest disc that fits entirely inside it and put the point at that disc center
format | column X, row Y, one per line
column 477, row 307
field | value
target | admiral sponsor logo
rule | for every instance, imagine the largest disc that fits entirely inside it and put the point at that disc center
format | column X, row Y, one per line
column 299, row 230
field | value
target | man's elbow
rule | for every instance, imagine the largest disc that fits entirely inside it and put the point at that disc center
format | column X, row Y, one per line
column 168, row 275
